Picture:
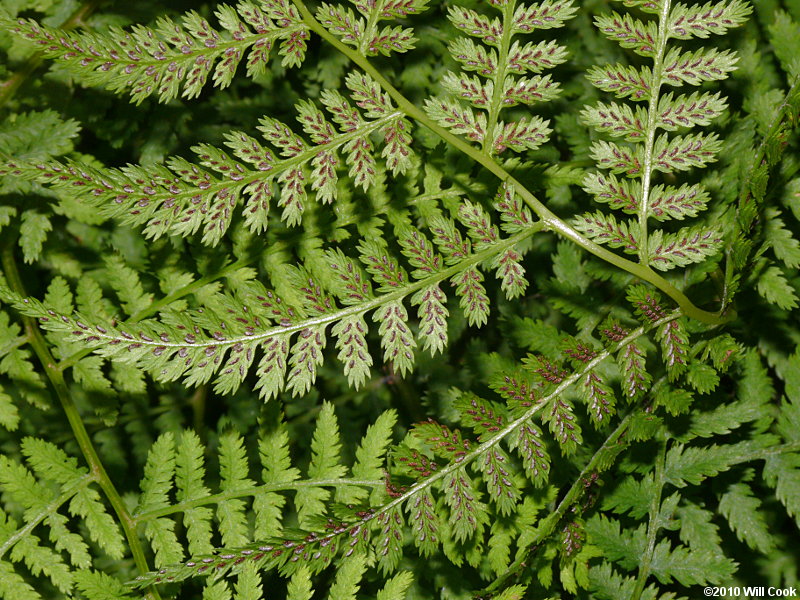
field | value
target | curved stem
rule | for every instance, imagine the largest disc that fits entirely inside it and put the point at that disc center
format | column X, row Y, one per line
column 96, row 468
column 550, row 220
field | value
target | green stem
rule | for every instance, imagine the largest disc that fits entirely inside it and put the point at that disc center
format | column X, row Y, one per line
column 498, row 78
column 652, row 121
column 573, row 495
column 56, row 377
column 550, row 220
column 654, row 524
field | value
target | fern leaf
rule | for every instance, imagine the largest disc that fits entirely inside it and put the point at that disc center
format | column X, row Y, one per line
column 33, row 231
column 513, row 212
column 233, row 477
column 363, row 33
column 175, row 57
column 785, row 246
column 629, row 32
column 689, row 110
column 618, row 120
column 688, row 245
column 95, row 585
column 389, row 540
column 622, row 81
column 690, row 465
column 689, row 568
column 277, row 468
column 500, row 481
column 35, row 497
column 52, row 463
column 501, row 79
column 773, row 287
column 396, row 587
column 181, row 197
column 324, row 465
column 743, row 512
column 299, row 587
column 424, row 522
column 13, row 585
column 711, row 18
column 350, row 335
column 668, row 202
column 248, row 586
column 371, row 452
column 156, row 486
column 783, row 473
column 467, row 513
column 605, row 229
column 348, row 578
column 684, row 152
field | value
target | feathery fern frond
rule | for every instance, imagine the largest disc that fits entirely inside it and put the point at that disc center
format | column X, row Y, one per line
column 502, row 65
column 45, row 495
column 178, row 464
column 180, row 198
column 364, row 32
column 173, row 58
column 644, row 151
column 225, row 336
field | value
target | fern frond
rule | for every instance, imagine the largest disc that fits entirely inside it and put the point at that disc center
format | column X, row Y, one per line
column 180, row 198
column 502, row 65
column 647, row 151
column 39, row 497
column 315, row 511
column 225, row 337
column 173, row 58
column 364, row 32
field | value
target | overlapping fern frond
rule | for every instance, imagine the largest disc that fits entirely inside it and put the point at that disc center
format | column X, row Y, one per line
column 436, row 480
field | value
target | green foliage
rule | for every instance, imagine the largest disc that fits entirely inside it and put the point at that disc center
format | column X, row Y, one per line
column 373, row 337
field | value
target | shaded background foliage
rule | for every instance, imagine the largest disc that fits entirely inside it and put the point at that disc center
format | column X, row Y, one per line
column 723, row 517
